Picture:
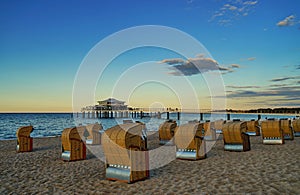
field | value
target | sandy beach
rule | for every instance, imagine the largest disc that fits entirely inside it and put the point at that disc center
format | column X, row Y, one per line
column 266, row 169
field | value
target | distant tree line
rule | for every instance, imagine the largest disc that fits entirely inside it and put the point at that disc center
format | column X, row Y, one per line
column 268, row 110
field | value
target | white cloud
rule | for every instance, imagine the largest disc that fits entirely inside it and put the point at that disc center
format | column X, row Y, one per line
column 250, row 2
column 288, row 21
column 251, row 59
column 233, row 10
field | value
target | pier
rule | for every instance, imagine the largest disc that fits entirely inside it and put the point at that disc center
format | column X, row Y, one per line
column 140, row 113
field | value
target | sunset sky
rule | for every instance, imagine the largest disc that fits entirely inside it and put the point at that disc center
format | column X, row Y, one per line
column 255, row 46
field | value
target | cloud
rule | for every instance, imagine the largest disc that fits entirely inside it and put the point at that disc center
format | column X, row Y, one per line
column 242, row 87
column 288, row 21
column 280, row 96
column 230, row 7
column 280, row 79
column 251, row 59
column 193, row 66
column 278, row 85
column 286, row 92
column 232, row 10
column 173, row 61
column 222, row 68
column 271, row 95
column 268, row 93
column 189, row 1
column 235, row 66
column 283, row 79
column 250, row 2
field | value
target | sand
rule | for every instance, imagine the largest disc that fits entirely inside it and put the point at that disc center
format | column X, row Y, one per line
column 265, row 169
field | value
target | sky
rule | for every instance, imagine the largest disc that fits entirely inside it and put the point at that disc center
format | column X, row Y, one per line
column 251, row 48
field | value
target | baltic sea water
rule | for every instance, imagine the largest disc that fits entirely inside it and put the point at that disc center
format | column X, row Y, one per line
column 52, row 124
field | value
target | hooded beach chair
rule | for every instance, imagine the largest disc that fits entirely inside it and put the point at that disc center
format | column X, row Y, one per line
column 286, row 126
column 94, row 131
column 296, row 127
column 126, row 154
column 218, row 125
column 166, row 132
column 209, row 131
column 73, row 147
column 272, row 132
column 83, row 133
column 235, row 137
column 24, row 141
column 127, row 121
column 253, row 127
column 189, row 141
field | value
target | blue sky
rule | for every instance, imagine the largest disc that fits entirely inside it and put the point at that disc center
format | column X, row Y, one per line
column 256, row 44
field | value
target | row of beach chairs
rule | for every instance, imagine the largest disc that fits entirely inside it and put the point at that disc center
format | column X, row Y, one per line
column 272, row 131
column 125, row 145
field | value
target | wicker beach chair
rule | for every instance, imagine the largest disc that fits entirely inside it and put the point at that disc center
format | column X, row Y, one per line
column 94, row 136
column 127, row 121
column 209, row 131
column 166, row 132
column 286, row 126
column 253, row 127
column 126, row 153
column 83, row 133
column 189, row 142
column 24, row 141
column 73, row 147
column 272, row 132
column 235, row 137
column 218, row 125
column 296, row 127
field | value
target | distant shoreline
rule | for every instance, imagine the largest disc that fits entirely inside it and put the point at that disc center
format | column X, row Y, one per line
column 185, row 112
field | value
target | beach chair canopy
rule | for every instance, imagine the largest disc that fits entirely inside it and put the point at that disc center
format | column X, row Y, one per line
column 272, row 132
column 166, row 130
column 286, row 126
column 67, row 135
column 92, row 129
column 125, row 135
column 209, row 131
column 82, row 131
column 235, row 137
column 185, row 135
column 296, row 127
column 253, row 127
column 24, row 131
column 73, row 147
column 218, row 124
column 124, row 147
column 232, row 132
column 24, row 141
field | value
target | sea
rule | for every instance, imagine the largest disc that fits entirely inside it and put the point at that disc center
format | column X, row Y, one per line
column 52, row 124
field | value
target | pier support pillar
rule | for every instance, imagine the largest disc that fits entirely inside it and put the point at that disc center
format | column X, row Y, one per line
column 228, row 116
column 201, row 116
